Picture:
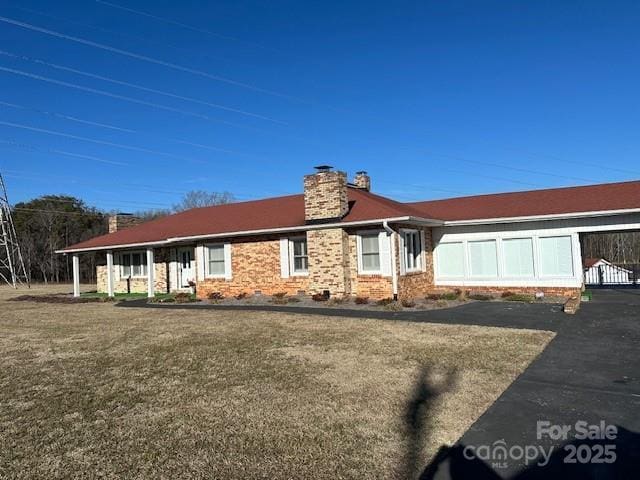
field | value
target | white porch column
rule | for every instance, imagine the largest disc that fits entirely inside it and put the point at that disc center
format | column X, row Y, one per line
column 150, row 273
column 110, row 274
column 76, row 275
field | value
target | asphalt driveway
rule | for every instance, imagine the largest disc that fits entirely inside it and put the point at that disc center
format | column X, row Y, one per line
column 589, row 372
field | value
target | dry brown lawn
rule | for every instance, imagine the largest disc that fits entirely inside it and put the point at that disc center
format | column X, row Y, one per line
column 94, row 390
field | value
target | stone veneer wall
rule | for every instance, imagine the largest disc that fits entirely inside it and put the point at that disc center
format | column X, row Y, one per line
column 255, row 266
column 138, row 285
column 329, row 261
column 325, row 195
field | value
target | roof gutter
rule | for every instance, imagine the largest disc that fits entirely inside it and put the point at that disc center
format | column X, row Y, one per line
column 301, row 228
column 533, row 218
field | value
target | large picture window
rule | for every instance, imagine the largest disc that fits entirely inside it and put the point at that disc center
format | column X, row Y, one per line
column 556, row 257
column 483, row 258
column 518, row 257
column 451, row 259
column 133, row 264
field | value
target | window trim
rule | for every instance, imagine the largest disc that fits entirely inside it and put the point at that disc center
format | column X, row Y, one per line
column 207, row 273
column 361, row 270
column 130, row 254
column 292, row 269
column 419, row 259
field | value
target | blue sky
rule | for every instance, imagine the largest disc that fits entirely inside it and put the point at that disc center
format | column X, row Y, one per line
column 434, row 99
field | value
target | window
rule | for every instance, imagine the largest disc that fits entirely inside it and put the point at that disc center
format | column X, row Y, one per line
column 412, row 250
column 483, row 259
column 556, row 257
column 299, row 256
column 133, row 264
column 216, row 260
column 451, row 259
column 370, row 252
column 518, row 257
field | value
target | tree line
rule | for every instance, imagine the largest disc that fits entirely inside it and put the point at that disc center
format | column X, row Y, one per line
column 620, row 248
column 52, row 222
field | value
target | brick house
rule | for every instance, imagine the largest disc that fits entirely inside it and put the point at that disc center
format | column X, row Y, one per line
column 340, row 239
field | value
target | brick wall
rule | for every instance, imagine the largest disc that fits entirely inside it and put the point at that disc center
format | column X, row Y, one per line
column 137, row 285
column 413, row 285
column 375, row 287
column 120, row 221
column 325, row 195
column 497, row 291
column 255, row 265
column 329, row 261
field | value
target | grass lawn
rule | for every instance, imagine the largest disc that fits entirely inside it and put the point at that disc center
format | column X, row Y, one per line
column 93, row 390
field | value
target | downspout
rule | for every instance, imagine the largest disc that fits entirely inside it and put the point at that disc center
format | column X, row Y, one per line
column 394, row 272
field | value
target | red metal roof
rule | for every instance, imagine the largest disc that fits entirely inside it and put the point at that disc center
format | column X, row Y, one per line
column 288, row 212
column 553, row 201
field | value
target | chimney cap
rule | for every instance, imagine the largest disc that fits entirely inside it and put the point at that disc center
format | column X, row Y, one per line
column 361, row 172
column 323, row 168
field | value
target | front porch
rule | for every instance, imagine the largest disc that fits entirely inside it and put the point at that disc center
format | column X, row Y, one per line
column 152, row 271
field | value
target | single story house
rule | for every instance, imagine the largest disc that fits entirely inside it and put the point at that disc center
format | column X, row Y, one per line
column 340, row 239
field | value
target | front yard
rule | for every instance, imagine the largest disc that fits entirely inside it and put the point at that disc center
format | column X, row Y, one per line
column 92, row 389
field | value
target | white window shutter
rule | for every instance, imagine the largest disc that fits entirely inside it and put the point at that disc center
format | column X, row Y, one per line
column 200, row 262
column 284, row 257
column 402, row 254
column 227, row 261
column 385, row 254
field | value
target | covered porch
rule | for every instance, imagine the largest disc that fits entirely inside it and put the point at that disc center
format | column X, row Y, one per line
column 151, row 270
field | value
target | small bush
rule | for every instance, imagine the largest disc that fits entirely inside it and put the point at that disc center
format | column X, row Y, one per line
column 280, row 295
column 507, row 294
column 319, row 297
column 293, row 299
column 361, row 300
column 454, row 295
column 337, row 301
column 241, row 296
column 384, row 302
column 184, row 297
column 406, row 303
column 211, row 296
column 520, row 298
column 480, row 297
column 393, row 306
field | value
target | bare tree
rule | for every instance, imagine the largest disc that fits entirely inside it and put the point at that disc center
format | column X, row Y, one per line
column 201, row 198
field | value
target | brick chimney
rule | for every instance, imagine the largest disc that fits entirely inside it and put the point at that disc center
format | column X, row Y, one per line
column 120, row 221
column 325, row 195
column 362, row 181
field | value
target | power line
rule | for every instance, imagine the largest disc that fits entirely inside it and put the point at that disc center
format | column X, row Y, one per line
column 99, row 142
column 185, row 25
column 120, row 97
column 139, row 87
column 122, row 129
column 143, row 58
column 61, row 152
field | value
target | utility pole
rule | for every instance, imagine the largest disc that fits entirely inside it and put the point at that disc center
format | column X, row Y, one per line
column 12, row 269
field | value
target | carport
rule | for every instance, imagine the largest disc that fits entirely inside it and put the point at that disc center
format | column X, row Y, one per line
column 611, row 259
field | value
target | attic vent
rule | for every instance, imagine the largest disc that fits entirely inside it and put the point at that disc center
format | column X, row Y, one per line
column 323, row 168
